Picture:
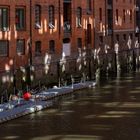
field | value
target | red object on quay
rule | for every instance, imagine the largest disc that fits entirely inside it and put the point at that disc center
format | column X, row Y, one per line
column 27, row 96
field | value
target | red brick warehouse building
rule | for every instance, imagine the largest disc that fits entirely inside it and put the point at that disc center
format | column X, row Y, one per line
column 54, row 29
column 115, row 28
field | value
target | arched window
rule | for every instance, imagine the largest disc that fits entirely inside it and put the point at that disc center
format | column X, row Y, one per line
column 37, row 48
column 51, row 17
column 79, row 42
column 89, row 6
column 52, row 46
column 79, row 17
column 37, row 16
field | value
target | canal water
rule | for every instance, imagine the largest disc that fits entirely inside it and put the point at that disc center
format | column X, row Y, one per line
column 110, row 111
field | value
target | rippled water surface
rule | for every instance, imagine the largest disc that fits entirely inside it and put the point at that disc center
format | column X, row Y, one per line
column 110, row 111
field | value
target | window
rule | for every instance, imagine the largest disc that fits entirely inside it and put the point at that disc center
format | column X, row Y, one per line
column 89, row 34
column 117, row 15
column 37, row 16
column 130, row 15
column 79, row 42
column 20, row 18
column 124, row 37
column 20, row 46
column 79, row 17
column 51, row 47
column 124, row 15
column 100, row 14
column 100, row 40
column 131, row 36
column 89, row 6
column 51, row 17
column 117, row 38
column 4, row 19
column 37, row 48
column 4, row 48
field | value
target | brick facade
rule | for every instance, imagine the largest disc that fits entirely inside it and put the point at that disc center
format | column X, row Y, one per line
column 44, row 34
column 101, row 25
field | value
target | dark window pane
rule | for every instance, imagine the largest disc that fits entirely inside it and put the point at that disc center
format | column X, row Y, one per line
column 4, row 46
column 20, row 18
column 37, row 16
column 79, row 17
column 52, row 46
column 79, row 42
column 38, row 48
column 51, row 17
column 4, row 16
column 20, row 46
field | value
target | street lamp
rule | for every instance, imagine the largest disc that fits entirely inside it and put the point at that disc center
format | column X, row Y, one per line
column 30, row 48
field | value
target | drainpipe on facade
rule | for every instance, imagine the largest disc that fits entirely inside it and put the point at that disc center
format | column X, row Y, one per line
column 30, row 49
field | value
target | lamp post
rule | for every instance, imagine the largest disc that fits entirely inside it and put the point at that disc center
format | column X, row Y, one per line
column 14, row 74
column 29, row 47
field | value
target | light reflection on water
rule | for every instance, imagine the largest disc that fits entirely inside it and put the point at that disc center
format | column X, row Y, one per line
column 111, row 111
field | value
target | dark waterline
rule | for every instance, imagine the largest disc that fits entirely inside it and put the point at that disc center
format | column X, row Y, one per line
column 111, row 111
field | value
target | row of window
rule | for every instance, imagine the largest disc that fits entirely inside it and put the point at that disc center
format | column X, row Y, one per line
column 4, row 47
column 130, row 1
column 20, row 47
column 52, row 16
column 124, row 36
column 124, row 15
column 38, row 16
column 117, row 15
column 20, row 17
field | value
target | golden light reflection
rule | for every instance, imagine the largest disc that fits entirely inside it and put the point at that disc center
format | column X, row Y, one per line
column 45, row 25
column 130, row 105
column 117, row 114
column 7, row 78
column 90, row 116
column 91, row 21
column 47, row 61
column 137, row 88
column 122, row 105
column 107, row 87
column 52, row 111
column 11, row 137
column 7, row 67
column 9, row 35
column 100, row 127
column 85, row 24
column 135, row 91
column 120, row 113
column 67, row 103
column 5, row 34
column 55, row 29
column 69, row 137
column 1, row 35
column 110, row 116
column 11, row 62
column 41, row 29
column 62, row 23
column 101, row 26
column 15, row 34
